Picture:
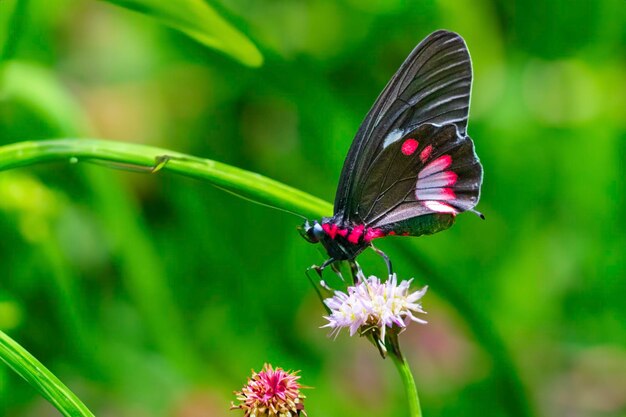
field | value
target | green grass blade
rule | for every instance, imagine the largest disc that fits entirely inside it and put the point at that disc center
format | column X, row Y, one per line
column 200, row 21
column 37, row 375
column 244, row 183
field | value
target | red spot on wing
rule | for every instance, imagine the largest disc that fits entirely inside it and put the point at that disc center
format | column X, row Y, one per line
column 443, row 193
column 355, row 234
column 430, row 188
column 405, row 234
column 373, row 233
column 425, row 154
column 342, row 232
column 451, row 176
column 438, row 165
column 392, row 233
column 409, row 146
column 448, row 193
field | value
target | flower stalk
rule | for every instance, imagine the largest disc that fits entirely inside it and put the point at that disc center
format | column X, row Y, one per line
column 407, row 377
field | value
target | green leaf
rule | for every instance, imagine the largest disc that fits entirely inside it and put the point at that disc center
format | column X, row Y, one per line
column 37, row 375
column 201, row 22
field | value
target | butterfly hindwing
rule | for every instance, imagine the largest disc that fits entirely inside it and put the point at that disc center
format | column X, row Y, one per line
column 431, row 170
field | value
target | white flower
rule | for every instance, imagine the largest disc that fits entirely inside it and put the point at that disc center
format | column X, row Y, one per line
column 372, row 303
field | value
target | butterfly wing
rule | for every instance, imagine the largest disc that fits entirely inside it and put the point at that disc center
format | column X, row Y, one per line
column 411, row 156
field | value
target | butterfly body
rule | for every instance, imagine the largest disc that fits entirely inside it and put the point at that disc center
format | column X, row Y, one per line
column 411, row 167
column 343, row 241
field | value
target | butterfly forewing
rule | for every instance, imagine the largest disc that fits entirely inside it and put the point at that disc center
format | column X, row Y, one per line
column 411, row 156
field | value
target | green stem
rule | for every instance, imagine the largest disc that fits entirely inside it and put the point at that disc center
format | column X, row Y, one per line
column 37, row 375
column 244, row 183
column 407, row 380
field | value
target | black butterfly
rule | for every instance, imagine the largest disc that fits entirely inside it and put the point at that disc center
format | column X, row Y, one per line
column 411, row 167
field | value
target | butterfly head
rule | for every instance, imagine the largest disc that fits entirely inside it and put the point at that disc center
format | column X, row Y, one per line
column 311, row 232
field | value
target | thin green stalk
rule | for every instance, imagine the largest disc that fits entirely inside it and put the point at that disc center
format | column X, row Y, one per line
column 131, row 156
column 407, row 380
column 37, row 375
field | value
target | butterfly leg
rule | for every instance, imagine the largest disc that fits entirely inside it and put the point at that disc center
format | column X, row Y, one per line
column 357, row 272
column 385, row 257
column 320, row 269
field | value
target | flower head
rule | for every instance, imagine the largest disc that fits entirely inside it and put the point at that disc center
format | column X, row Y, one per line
column 371, row 304
column 271, row 393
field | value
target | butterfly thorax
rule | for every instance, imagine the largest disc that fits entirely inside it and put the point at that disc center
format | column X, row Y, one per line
column 342, row 240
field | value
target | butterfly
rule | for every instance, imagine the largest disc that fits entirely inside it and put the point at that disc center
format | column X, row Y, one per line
column 411, row 167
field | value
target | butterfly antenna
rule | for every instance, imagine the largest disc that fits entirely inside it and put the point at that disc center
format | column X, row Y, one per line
column 243, row 197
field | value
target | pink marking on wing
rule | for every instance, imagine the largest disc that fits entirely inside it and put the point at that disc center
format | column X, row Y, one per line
column 439, row 164
column 425, row 154
column 439, row 207
column 373, row 233
column 448, row 193
column 435, row 194
column 409, row 146
column 440, row 179
column 342, row 232
column 355, row 234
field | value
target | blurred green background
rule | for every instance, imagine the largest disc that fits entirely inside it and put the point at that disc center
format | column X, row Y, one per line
column 154, row 295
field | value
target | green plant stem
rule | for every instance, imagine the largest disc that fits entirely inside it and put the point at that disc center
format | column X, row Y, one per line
column 244, row 183
column 407, row 380
column 37, row 375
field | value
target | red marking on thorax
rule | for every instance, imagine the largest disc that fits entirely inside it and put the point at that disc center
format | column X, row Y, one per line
column 342, row 232
column 330, row 229
column 425, row 154
column 409, row 146
column 355, row 234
